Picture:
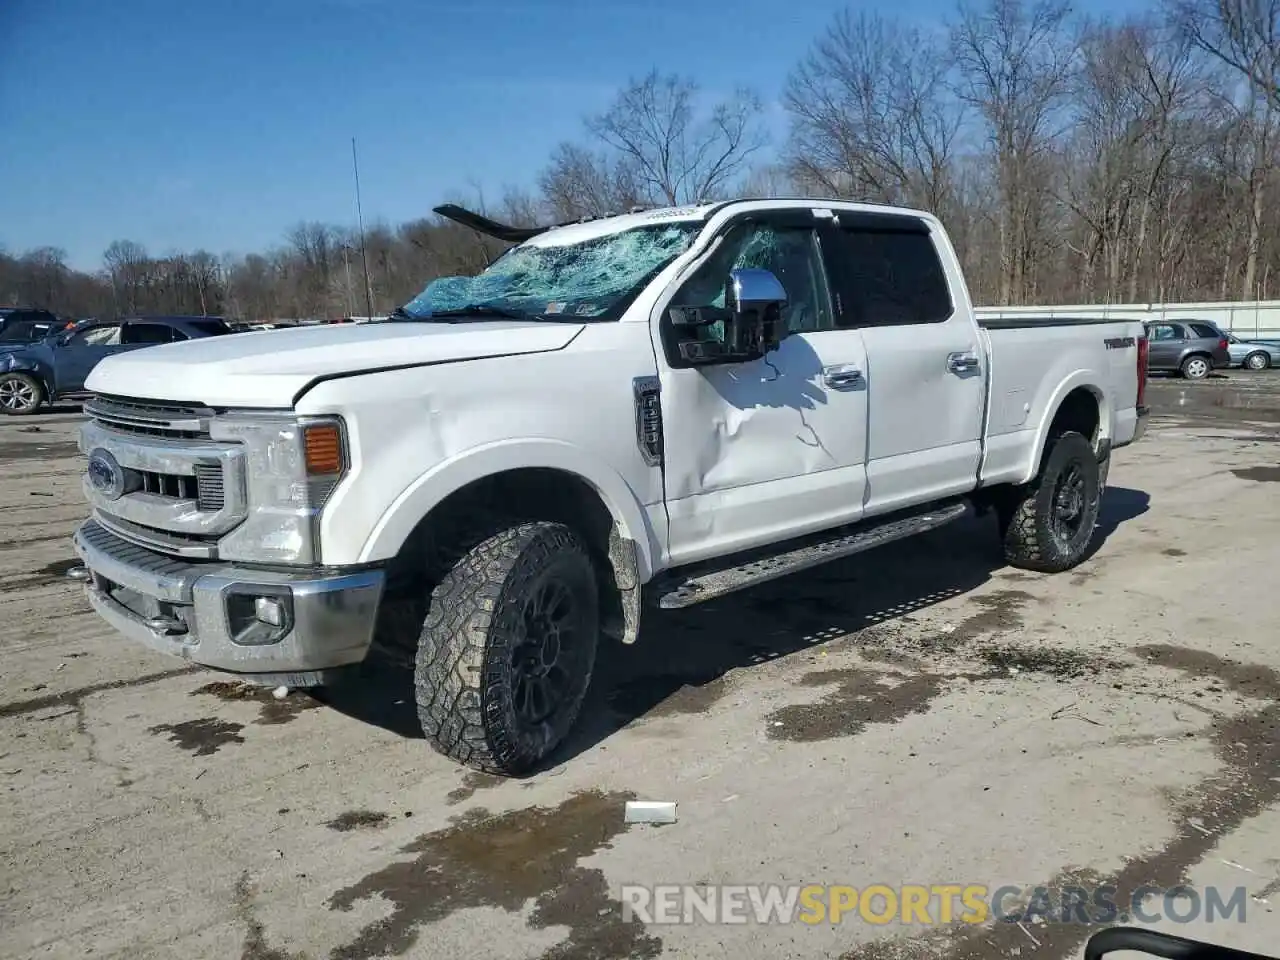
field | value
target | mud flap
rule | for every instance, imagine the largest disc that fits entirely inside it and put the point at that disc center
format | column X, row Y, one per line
column 626, row 574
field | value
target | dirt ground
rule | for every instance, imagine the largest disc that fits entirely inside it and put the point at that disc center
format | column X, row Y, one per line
column 920, row 714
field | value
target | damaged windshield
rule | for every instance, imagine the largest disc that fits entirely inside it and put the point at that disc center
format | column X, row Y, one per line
column 595, row 279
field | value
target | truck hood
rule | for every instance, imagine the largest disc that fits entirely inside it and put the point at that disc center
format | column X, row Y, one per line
column 270, row 368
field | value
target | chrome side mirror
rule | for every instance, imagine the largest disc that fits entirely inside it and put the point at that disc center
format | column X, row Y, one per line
column 755, row 299
column 750, row 289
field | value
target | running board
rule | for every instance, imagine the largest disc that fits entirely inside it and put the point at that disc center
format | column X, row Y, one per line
column 717, row 583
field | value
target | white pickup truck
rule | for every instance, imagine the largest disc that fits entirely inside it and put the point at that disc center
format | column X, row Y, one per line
column 667, row 405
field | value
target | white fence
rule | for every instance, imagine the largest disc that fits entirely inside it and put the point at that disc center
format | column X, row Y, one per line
column 1257, row 320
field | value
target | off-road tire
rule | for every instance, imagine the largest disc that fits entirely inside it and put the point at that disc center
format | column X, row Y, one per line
column 29, row 386
column 1258, row 360
column 1027, row 516
column 464, row 676
column 1196, row 367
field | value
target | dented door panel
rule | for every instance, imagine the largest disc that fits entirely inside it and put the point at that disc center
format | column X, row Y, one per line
column 764, row 450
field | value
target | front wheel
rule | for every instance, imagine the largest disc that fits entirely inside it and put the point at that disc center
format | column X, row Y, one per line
column 20, row 394
column 1048, row 524
column 1196, row 368
column 1257, row 361
column 508, row 647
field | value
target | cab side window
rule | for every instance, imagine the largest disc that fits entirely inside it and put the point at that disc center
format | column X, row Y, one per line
column 103, row 335
column 1165, row 331
column 790, row 253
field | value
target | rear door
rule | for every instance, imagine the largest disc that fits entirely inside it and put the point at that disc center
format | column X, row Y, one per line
column 1167, row 341
column 925, row 365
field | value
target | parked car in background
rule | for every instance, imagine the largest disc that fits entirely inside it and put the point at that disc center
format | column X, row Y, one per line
column 55, row 367
column 1253, row 354
column 27, row 325
column 1192, row 349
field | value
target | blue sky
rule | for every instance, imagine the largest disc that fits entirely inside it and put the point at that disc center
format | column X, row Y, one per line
column 191, row 123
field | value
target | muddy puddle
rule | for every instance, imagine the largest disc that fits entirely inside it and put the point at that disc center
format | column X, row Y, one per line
column 1237, row 399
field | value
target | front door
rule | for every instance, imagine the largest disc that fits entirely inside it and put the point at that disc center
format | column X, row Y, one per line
column 926, row 376
column 772, row 448
column 86, row 348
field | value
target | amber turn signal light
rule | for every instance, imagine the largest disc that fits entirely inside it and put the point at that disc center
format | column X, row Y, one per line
column 323, row 445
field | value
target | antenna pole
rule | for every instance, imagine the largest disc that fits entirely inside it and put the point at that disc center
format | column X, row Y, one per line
column 364, row 257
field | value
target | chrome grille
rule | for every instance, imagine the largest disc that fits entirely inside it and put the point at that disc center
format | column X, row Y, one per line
column 148, row 418
column 171, row 485
column 205, row 488
column 182, row 492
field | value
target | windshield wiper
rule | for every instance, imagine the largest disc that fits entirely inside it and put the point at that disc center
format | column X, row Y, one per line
column 477, row 311
column 400, row 313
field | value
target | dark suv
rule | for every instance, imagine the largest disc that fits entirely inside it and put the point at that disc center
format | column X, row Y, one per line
column 1191, row 348
column 27, row 325
column 56, row 367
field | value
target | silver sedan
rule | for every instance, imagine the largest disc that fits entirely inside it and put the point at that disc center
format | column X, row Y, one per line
column 1253, row 354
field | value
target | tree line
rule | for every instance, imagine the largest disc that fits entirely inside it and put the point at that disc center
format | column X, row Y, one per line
column 1072, row 159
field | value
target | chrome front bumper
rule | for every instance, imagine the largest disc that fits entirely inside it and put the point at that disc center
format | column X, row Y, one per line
column 203, row 612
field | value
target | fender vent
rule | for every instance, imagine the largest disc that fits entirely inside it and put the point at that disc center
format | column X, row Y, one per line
column 649, row 419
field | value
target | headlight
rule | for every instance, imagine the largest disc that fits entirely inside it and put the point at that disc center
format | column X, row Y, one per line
column 292, row 465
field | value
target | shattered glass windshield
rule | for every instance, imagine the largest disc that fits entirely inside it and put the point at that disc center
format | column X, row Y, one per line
column 592, row 280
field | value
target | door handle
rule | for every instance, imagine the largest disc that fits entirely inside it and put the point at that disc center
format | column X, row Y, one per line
column 844, row 375
column 961, row 362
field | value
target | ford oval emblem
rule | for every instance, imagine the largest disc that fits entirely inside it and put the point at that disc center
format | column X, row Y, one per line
column 106, row 475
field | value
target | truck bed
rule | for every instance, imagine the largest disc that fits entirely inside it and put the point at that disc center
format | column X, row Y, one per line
column 1034, row 363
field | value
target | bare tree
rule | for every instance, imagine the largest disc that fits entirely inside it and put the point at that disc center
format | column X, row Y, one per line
column 769, row 180
column 1244, row 34
column 127, row 266
column 679, row 157
column 581, row 183
column 872, row 115
column 1015, row 59
column 1136, row 96
column 1132, row 158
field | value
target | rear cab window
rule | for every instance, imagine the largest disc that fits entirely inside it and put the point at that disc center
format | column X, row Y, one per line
column 886, row 271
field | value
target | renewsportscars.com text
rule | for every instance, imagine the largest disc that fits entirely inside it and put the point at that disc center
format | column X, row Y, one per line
column 928, row 905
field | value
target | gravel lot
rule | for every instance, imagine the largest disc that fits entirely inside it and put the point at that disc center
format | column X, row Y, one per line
column 920, row 714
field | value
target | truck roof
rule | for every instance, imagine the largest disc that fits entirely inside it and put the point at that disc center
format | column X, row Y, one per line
column 589, row 228
column 603, row 226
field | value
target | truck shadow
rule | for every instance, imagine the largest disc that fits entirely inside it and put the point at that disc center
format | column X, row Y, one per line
column 679, row 664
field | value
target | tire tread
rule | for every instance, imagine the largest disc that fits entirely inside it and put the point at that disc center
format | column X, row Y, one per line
column 459, row 629
column 1023, row 525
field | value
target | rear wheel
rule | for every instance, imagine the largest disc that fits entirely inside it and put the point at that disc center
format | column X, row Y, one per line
column 1048, row 524
column 1196, row 368
column 507, row 651
column 1257, row 361
column 20, row 394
